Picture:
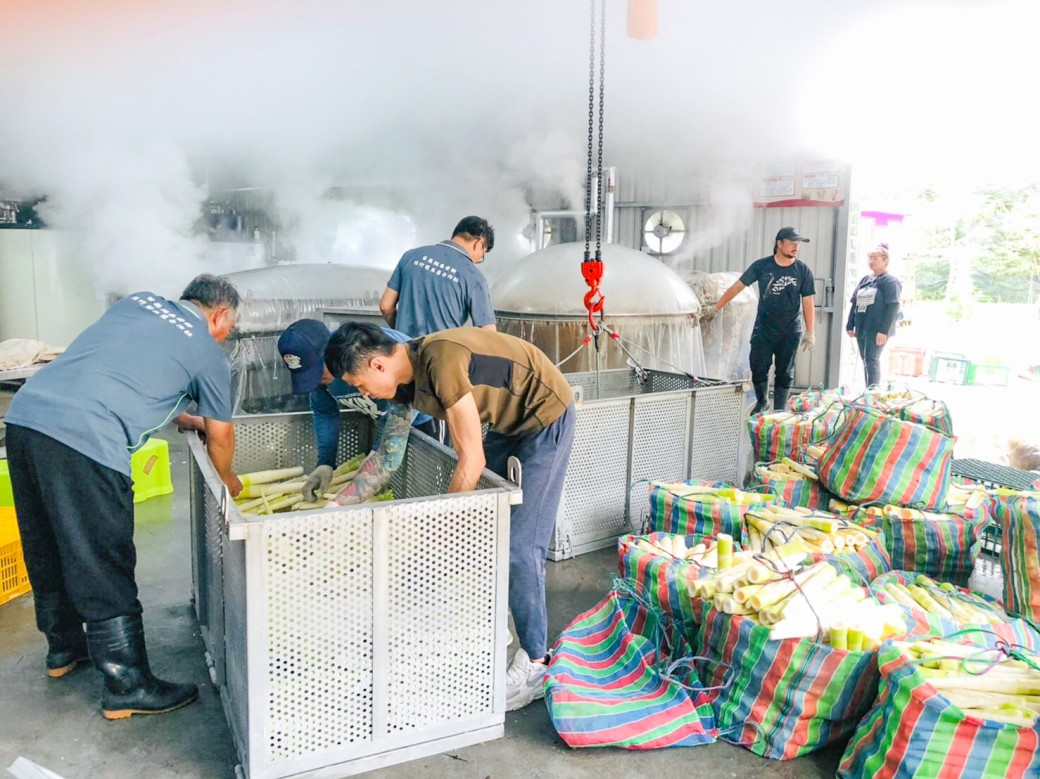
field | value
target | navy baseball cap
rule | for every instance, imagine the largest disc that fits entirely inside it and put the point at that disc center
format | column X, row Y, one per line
column 302, row 347
column 790, row 234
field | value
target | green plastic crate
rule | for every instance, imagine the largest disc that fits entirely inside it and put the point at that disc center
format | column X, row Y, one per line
column 6, row 498
column 989, row 374
column 949, row 368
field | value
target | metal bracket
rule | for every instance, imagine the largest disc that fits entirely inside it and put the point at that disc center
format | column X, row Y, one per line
column 642, row 375
column 579, row 396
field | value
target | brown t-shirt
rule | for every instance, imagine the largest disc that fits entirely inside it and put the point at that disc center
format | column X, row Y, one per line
column 518, row 391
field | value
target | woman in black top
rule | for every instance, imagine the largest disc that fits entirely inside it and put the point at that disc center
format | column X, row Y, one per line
column 875, row 308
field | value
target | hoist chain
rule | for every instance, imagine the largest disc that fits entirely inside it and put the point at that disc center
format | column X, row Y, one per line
column 588, row 165
column 601, row 189
column 592, row 269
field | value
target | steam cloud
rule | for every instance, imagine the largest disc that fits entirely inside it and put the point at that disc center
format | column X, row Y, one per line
column 125, row 114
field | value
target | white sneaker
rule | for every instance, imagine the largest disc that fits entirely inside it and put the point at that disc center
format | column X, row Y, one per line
column 525, row 681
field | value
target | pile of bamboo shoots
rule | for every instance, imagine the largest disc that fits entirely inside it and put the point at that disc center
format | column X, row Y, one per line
column 281, row 490
column 821, row 531
column 960, row 501
column 814, row 601
column 785, row 470
column 943, row 600
column 980, row 682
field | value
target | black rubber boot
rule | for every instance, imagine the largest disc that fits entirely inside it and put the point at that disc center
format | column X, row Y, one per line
column 58, row 621
column 780, row 398
column 117, row 650
column 761, row 399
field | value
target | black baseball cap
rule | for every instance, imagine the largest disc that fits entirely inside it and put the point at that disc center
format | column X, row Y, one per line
column 302, row 346
column 790, row 234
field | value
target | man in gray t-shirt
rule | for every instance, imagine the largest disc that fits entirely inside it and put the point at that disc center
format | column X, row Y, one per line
column 439, row 287
column 70, row 433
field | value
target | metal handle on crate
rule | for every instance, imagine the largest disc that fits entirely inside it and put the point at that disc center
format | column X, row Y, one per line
column 514, row 471
column 579, row 395
column 225, row 506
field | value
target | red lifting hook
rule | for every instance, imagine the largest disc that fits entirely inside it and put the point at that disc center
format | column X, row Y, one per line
column 592, row 270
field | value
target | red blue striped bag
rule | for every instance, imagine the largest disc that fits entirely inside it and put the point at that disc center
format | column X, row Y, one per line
column 671, row 511
column 873, row 458
column 619, row 677
column 789, row 492
column 1018, row 514
column 780, row 434
column 783, row 699
column 913, row 731
column 942, row 546
column 659, row 580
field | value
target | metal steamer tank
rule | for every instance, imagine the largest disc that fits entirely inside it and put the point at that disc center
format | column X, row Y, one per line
column 654, row 417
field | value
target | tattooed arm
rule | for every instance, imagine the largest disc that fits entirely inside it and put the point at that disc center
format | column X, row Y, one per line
column 379, row 466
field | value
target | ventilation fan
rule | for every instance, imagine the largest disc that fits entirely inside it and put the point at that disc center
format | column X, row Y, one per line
column 664, row 231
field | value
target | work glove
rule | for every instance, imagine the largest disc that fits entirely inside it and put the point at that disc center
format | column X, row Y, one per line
column 317, row 483
column 708, row 314
column 808, row 342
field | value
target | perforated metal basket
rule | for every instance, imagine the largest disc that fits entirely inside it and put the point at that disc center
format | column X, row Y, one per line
column 666, row 427
column 352, row 637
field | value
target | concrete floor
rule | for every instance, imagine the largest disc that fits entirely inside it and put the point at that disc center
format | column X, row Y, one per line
column 56, row 722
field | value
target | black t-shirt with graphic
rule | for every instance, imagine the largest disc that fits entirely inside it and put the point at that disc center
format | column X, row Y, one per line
column 780, row 293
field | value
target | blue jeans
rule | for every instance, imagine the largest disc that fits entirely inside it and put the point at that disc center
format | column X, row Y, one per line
column 543, row 459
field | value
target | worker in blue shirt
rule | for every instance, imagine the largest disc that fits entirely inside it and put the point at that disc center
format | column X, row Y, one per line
column 70, row 433
column 439, row 287
column 302, row 346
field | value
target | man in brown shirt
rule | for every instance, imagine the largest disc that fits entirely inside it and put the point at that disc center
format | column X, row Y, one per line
column 469, row 376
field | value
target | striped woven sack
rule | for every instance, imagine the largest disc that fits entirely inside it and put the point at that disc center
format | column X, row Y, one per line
column 811, row 398
column 1018, row 514
column 659, row 580
column 789, row 492
column 786, row 434
column 618, row 678
column 783, row 699
column 873, row 458
column 913, row 731
column 673, row 512
column 926, row 411
column 922, row 623
column 943, row 546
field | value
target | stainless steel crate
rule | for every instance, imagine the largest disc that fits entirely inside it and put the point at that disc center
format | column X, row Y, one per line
column 345, row 639
column 668, row 427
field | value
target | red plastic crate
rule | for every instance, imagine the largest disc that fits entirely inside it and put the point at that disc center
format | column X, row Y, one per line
column 906, row 361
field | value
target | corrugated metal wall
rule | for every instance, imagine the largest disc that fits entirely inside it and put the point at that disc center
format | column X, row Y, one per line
column 729, row 238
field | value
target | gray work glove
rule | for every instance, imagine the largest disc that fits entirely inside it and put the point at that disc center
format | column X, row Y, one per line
column 808, row 342
column 317, row 483
column 708, row 314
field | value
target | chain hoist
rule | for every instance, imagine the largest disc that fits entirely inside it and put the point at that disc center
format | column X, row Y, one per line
column 592, row 267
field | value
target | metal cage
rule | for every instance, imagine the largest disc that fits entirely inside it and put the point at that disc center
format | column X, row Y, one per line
column 635, row 427
column 353, row 637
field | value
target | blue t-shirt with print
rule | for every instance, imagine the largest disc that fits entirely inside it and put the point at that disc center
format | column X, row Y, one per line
column 143, row 363
column 439, row 288
column 327, row 401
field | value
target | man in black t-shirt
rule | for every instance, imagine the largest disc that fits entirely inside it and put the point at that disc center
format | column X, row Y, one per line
column 785, row 295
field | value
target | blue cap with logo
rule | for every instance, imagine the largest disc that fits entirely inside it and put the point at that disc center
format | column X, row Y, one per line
column 302, row 346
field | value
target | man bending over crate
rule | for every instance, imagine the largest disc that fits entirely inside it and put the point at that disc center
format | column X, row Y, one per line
column 469, row 376
column 70, row 433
